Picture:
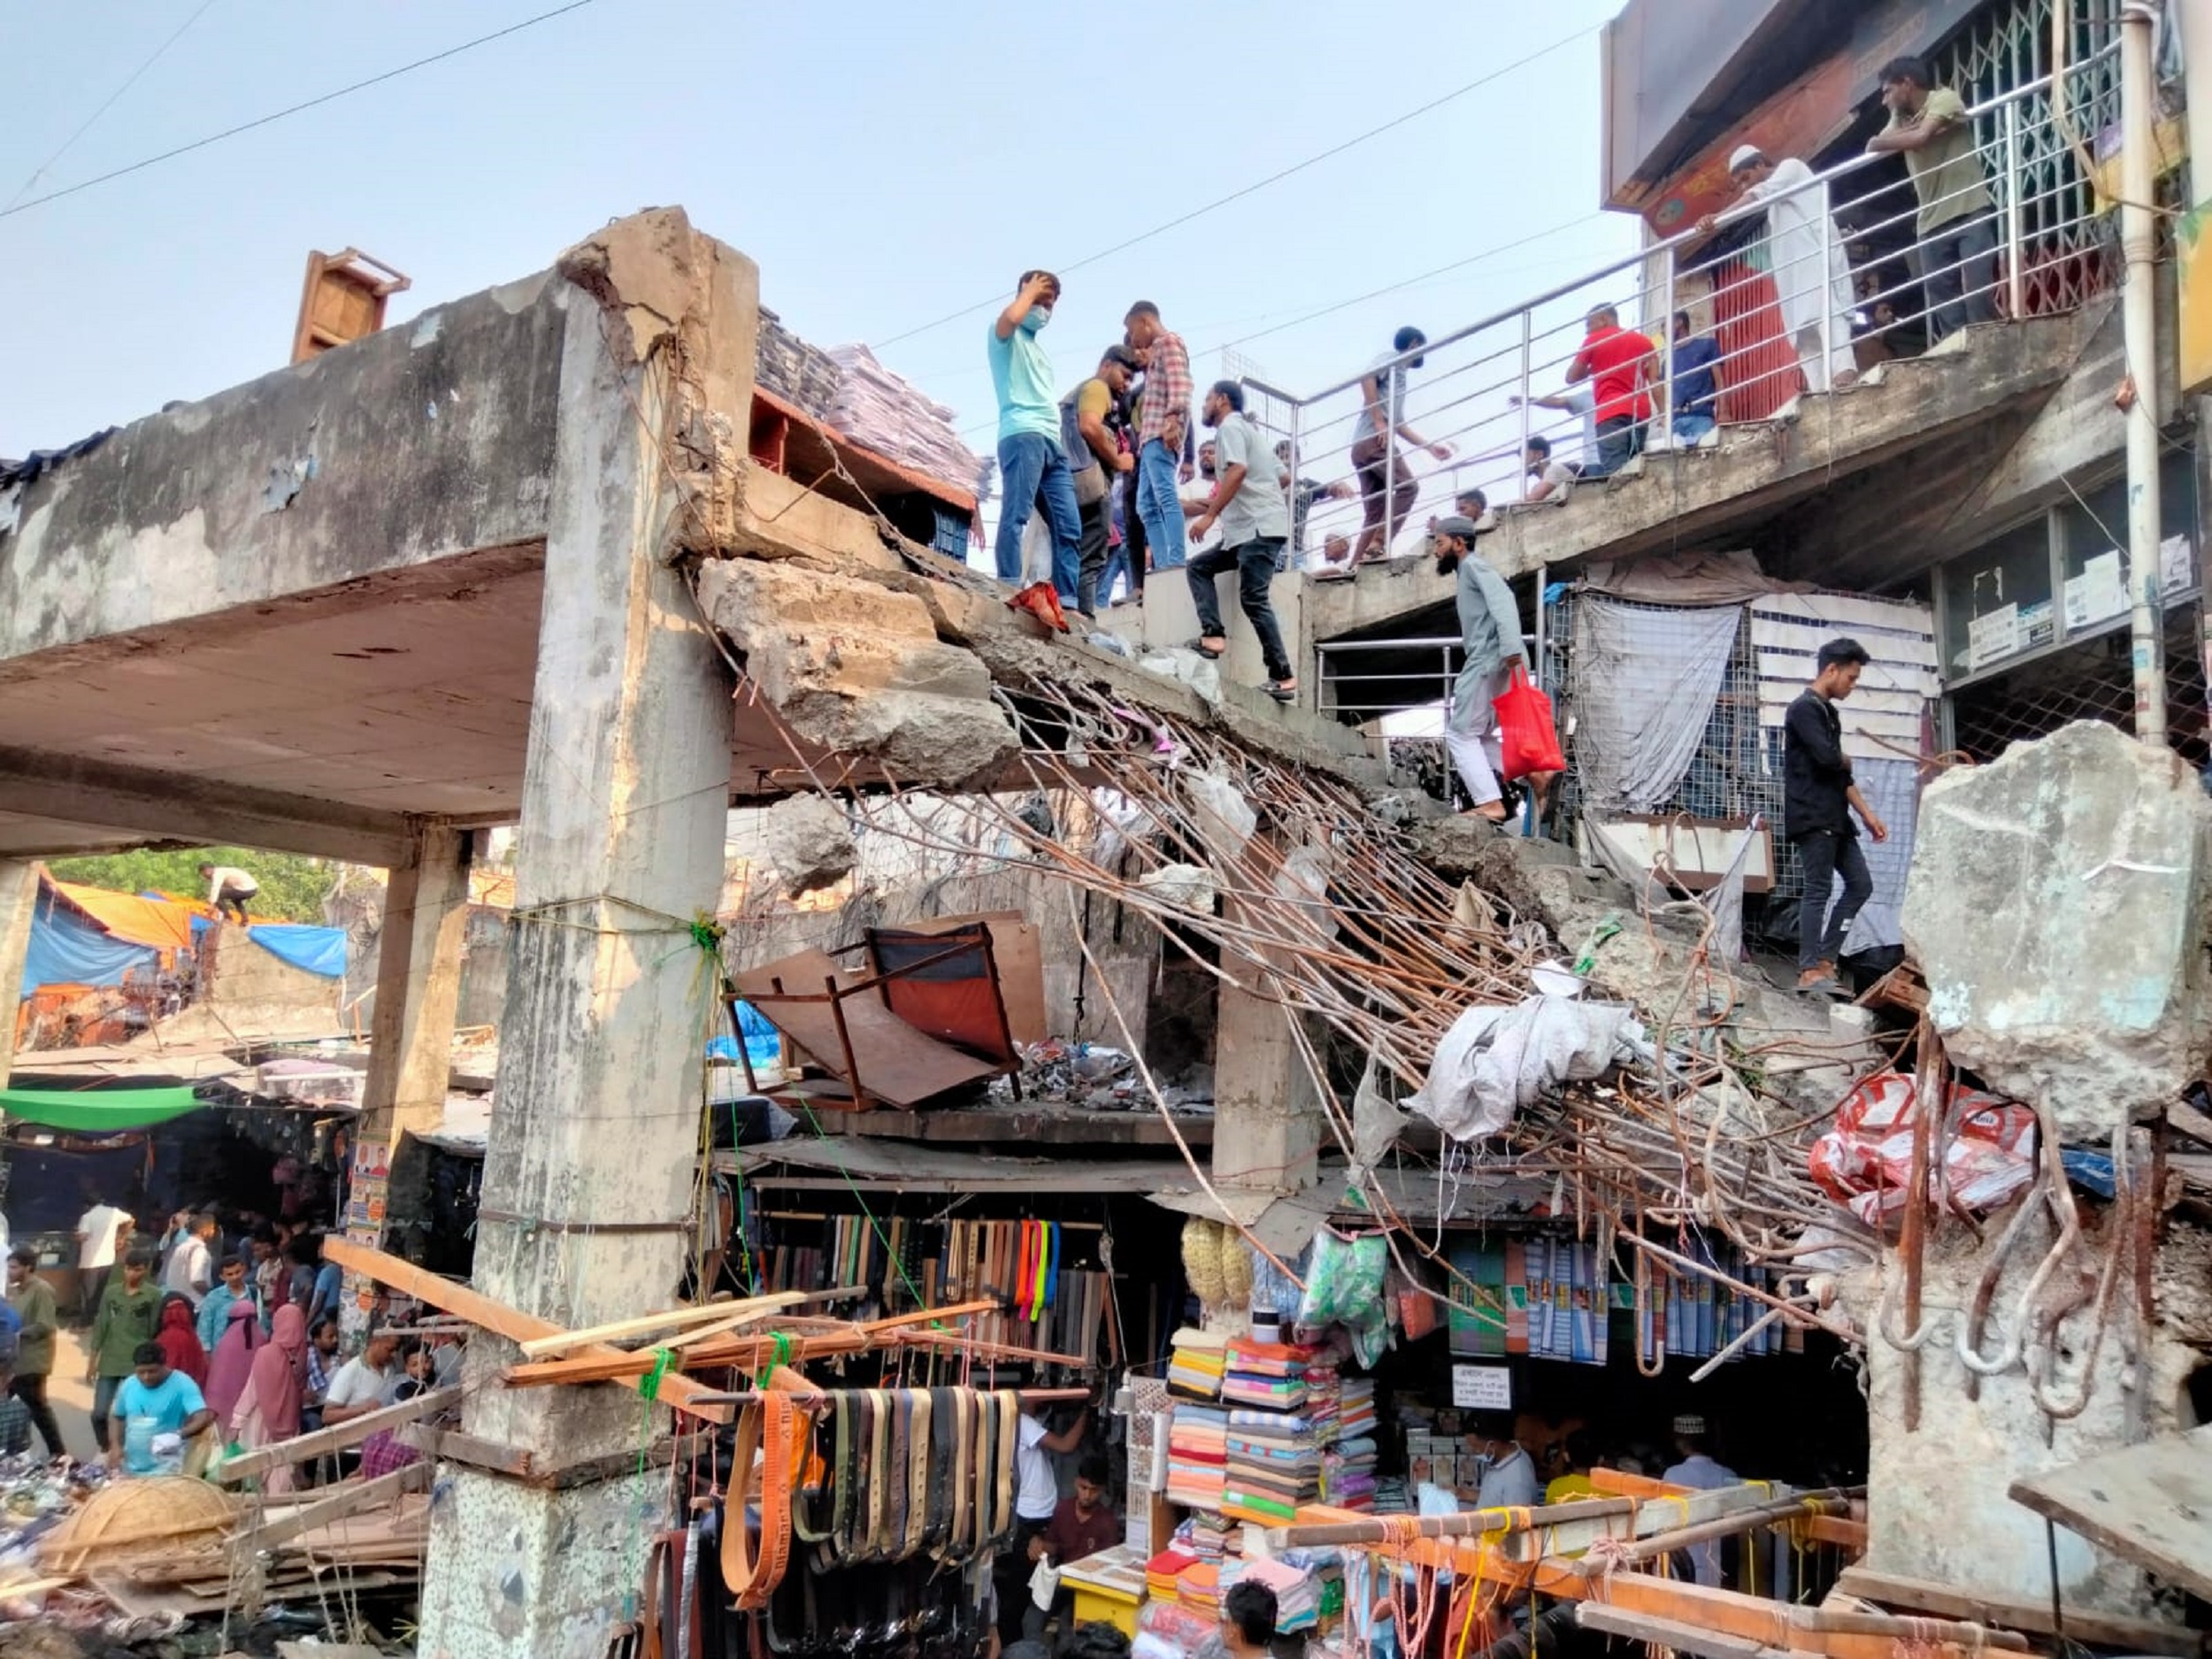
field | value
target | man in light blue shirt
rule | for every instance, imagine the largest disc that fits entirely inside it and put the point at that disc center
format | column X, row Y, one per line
column 1032, row 467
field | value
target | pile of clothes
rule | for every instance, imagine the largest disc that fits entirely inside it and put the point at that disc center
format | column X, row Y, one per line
column 1197, row 1456
column 1274, row 1466
column 1269, row 1375
column 1197, row 1360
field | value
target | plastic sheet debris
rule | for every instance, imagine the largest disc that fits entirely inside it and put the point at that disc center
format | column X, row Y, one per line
column 1201, row 674
column 1185, row 885
column 1344, row 1286
column 1495, row 1062
column 1223, row 819
column 1080, row 1073
column 1865, row 1161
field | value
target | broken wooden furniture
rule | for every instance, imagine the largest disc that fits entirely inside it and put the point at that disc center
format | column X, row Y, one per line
column 343, row 299
column 925, row 1018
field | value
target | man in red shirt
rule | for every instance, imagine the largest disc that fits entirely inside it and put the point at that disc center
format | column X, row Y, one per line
column 1079, row 1528
column 1622, row 364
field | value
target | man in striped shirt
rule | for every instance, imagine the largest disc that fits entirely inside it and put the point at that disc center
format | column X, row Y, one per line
column 1163, row 421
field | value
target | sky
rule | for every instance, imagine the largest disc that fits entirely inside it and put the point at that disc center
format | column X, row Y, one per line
column 886, row 166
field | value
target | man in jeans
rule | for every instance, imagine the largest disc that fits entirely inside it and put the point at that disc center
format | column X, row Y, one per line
column 1619, row 364
column 1387, row 486
column 1819, row 797
column 1955, row 258
column 1032, row 465
column 1163, row 424
column 1090, row 430
column 1248, row 504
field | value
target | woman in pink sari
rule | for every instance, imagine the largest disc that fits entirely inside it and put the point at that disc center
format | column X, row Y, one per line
column 232, row 1362
column 269, row 1411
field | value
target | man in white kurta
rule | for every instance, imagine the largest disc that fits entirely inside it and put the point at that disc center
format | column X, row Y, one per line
column 1812, row 277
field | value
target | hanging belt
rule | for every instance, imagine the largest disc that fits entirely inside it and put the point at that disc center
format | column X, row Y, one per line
column 920, row 1487
column 813, row 1504
column 897, row 1478
column 1010, row 1412
column 881, row 1477
column 767, row 1424
column 841, row 1484
column 960, row 1493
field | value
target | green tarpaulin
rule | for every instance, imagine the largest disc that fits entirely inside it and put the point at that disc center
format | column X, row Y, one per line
column 97, row 1112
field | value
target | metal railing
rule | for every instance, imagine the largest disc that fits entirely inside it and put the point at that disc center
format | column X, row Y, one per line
column 1799, row 306
column 1411, row 672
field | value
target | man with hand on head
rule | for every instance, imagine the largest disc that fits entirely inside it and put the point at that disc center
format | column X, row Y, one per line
column 1032, row 467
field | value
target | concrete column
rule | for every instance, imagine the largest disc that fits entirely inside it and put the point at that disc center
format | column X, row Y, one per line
column 418, row 988
column 1267, row 1113
column 18, row 896
column 587, row 1184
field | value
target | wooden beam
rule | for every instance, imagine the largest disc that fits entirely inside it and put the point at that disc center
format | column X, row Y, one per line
column 2196, row 1125
column 336, row 1437
column 2105, row 1630
column 676, row 1389
column 674, row 1318
column 1471, row 1524
column 1666, row 1633
column 344, row 1499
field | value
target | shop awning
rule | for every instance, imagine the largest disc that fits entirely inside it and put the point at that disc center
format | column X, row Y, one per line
column 98, row 1110
column 163, row 924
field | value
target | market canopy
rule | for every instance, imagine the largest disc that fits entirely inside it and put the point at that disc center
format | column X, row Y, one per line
column 98, row 1110
column 135, row 918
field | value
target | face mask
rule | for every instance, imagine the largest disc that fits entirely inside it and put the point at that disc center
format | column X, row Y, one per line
column 1037, row 318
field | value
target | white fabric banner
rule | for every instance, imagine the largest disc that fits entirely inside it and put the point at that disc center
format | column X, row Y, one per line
column 1645, row 682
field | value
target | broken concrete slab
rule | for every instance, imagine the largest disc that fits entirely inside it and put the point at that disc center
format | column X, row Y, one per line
column 856, row 668
column 2056, row 907
column 806, row 837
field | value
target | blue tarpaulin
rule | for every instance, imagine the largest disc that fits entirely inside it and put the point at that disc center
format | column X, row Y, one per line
column 764, row 1043
column 318, row 949
column 69, row 948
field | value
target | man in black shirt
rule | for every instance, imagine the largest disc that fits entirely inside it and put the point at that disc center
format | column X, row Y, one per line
column 1818, row 798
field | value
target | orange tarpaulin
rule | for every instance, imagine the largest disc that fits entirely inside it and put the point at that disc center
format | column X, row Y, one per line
column 165, row 924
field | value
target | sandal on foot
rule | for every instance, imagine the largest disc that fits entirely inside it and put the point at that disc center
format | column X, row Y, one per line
column 1208, row 651
column 1283, row 691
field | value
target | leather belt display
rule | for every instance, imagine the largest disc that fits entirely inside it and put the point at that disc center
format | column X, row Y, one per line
column 769, row 1423
column 882, row 1475
column 962, row 1497
column 898, row 1471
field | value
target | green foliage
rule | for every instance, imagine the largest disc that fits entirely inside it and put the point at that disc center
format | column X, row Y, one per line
column 292, row 886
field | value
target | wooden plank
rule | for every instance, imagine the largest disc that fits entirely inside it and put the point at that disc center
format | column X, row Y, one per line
column 1666, row 1633
column 2150, row 1504
column 1839, row 610
column 2190, row 1121
column 2106, row 1630
column 345, row 1499
column 1779, row 693
column 676, row 1390
column 670, row 1319
column 336, row 1437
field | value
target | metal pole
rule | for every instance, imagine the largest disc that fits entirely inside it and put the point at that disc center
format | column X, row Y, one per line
column 1666, row 333
column 2139, row 299
column 2015, row 275
column 1520, row 460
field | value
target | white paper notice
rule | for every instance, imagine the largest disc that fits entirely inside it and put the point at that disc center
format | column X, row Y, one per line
column 2100, row 592
column 2176, row 565
column 1483, row 1388
column 1992, row 637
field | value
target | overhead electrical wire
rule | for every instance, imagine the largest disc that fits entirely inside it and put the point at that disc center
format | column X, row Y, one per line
column 92, row 120
column 1259, row 184
column 295, row 109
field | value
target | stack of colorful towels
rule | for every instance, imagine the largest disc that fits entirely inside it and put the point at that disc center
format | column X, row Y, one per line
column 1273, row 1467
column 1197, row 1456
column 1269, row 1375
column 1196, row 1360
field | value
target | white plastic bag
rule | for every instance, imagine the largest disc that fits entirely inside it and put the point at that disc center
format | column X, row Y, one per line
column 1495, row 1061
column 1223, row 819
column 1185, row 885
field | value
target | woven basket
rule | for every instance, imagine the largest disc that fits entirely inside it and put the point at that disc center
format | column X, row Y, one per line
column 149, row 1514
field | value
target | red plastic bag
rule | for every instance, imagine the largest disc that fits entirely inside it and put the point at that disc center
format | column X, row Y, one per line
column 1865, row 1160
column 1528, row 736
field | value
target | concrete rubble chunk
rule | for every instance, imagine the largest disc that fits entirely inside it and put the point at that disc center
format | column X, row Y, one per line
column 808, row 841
column 857, row 667
column 2056, row 907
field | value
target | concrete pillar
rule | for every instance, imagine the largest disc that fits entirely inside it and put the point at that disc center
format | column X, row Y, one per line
column 1267, row 1113
column 18, row 896
column 587, row 1184
column 418, row 989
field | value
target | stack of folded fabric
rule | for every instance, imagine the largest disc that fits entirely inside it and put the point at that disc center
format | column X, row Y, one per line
column 1392, row 1496
column 1207, row 1535
column 1324, row 1394
column 1199, row 1589
column 1162, row 1572
column 1197, row 1456
column 1273, row 1467
column 1196, row 1360
column 1347, row 1473
column 1297, row 1596
column 1355, row 1407
column 1269, row 1375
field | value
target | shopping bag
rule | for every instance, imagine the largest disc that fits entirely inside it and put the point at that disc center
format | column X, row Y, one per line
column 1528, row 737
